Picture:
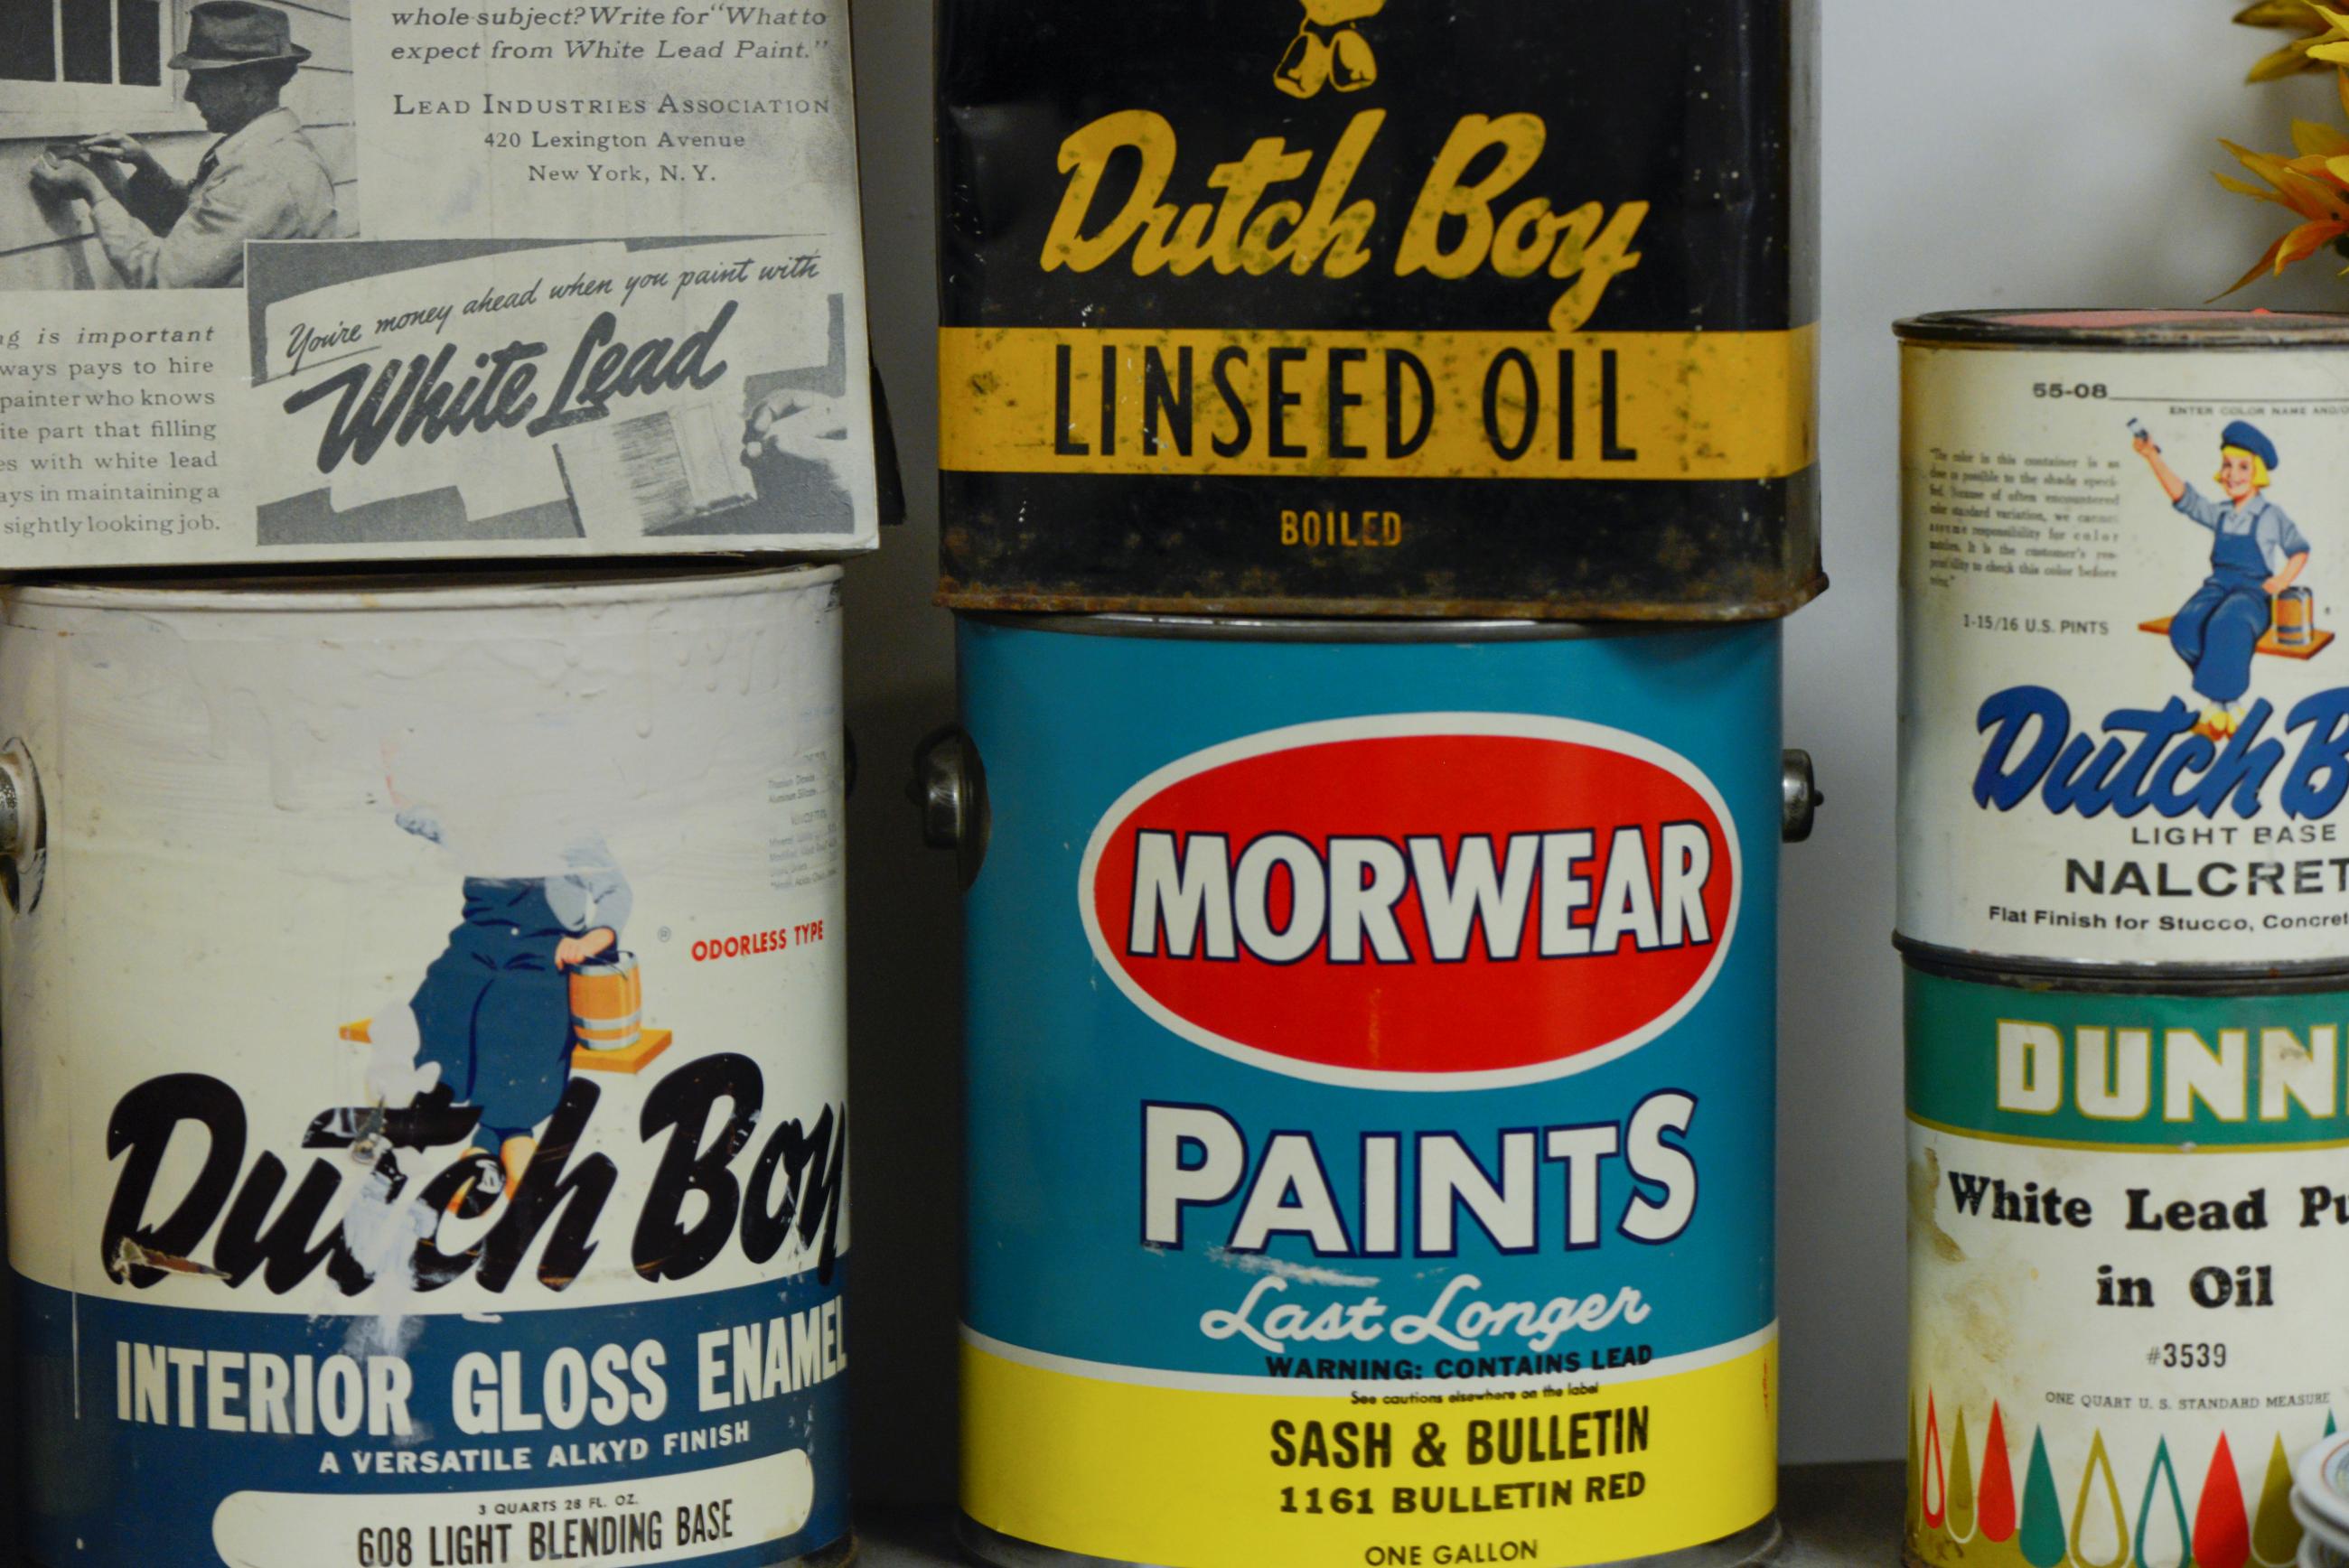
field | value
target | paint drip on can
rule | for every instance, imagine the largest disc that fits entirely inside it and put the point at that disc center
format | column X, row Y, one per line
column 1370, row 1074
column 392, row 1177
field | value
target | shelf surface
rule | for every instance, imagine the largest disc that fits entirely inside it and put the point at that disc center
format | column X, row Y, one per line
column 1835, row 1516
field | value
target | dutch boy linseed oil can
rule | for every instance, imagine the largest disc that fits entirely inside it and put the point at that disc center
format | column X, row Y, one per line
column 2125, row 716
column 1337, row 306
column 1369, row 1091
column 424, row 1065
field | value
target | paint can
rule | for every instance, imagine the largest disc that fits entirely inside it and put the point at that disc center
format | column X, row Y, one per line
column 1336, row 308
column 2125, row 1206
column 1369, row 1070
column 2296, row 618
column 329, row 1247
column 608, row 1003
column 2119, row 746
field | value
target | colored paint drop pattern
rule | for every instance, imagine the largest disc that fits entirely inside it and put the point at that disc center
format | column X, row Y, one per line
column 2275, row 1533
column 2040, row 1535
column 1961, row 1514
column 2223, row 1535
column 1932, row 1487
column 2169, row 1527
column 1994, row 1507
column 2093, row 1526
column 1961, row 1483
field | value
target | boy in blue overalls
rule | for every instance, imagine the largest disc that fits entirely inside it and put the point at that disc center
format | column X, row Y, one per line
column 494, row 1013
column 2256, row 552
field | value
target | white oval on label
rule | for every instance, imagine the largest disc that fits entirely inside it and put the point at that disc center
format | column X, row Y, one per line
column 756, row 1502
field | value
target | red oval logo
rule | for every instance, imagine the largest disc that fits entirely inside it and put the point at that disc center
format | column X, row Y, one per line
column 1418, row 901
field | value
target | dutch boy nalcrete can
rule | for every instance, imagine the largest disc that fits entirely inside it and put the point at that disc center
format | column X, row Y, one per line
column 1324, row 307
column 335, row 1245
column 2127, row 1213
column 1369, row 1091
column 2123, row 724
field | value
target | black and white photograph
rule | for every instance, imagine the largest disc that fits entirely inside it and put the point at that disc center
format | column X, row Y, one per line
column 145, row 143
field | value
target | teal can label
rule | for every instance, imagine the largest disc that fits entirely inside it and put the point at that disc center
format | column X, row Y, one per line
column 1370, row 1090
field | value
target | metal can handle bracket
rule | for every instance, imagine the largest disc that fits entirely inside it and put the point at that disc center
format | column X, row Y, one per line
column 1799, row 790
column 23, row 829
column 949, row 785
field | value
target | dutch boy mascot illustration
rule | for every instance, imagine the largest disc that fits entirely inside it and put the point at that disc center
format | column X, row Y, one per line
column 1329, row 50
column 2256, row 553
column 490, row 1027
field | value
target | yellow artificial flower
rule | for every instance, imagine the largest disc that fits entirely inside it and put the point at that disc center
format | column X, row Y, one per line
column 2332, row 46
column 2291, row 16
column 2314, row 186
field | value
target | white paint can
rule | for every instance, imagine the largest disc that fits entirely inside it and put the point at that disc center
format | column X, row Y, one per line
column 2124, row 714
column 332, row 1247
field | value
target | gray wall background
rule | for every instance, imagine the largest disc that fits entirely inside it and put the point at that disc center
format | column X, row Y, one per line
column 2014, row 152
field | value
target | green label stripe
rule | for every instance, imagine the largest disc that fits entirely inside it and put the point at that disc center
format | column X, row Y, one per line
column 2059, row 1066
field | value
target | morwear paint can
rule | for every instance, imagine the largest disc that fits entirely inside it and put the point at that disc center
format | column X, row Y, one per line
column 333, row 1246
column 2125, row 1207
column 2124, row 733
column 1334, row 307
column 1369, row 1089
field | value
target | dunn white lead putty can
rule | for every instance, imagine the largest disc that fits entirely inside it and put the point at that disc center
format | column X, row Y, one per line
column 424, row 1084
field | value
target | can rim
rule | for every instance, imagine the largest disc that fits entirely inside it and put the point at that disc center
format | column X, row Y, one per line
column 2022, row 972
column 2084, row 327
column 524, row 588
column 1307, row 629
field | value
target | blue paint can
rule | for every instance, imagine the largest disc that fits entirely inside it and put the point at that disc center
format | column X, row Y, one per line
column 1371, row 1051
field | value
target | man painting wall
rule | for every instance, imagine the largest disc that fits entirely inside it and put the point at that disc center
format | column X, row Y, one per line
column 264, row 180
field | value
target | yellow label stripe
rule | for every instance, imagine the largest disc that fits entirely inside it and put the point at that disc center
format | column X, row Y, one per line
column 1406, row 404
column 1145, row 1474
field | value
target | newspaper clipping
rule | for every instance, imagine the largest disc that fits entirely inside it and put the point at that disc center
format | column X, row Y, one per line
column 366, row 280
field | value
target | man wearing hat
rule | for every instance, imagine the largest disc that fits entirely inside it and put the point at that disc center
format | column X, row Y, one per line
column 264, row 180
column 2256, row 552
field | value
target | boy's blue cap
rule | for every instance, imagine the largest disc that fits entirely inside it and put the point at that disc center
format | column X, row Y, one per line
column 2248, row 435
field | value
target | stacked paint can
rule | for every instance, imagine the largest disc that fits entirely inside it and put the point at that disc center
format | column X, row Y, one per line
column 2122, row 903
column 422, row 971
column 1369, row 501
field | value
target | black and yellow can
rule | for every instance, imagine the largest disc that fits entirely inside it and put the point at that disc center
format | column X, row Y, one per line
column 1375, row 308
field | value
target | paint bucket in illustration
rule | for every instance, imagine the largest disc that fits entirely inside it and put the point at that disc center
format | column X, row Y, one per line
column 2126, row 1212
column 1349, row 1044
column 289, row 864
column 607, row 1004
column 2106, row 756
column 2296, row 618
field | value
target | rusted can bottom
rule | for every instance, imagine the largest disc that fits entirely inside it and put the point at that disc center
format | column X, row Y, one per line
column 1757, row 1545
column 839, row 1554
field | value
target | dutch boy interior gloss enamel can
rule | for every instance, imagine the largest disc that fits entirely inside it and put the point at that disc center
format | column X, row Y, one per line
column 1369, row 1091
column 2127, row 1207
column 2124, row 716
column 336, row 1243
